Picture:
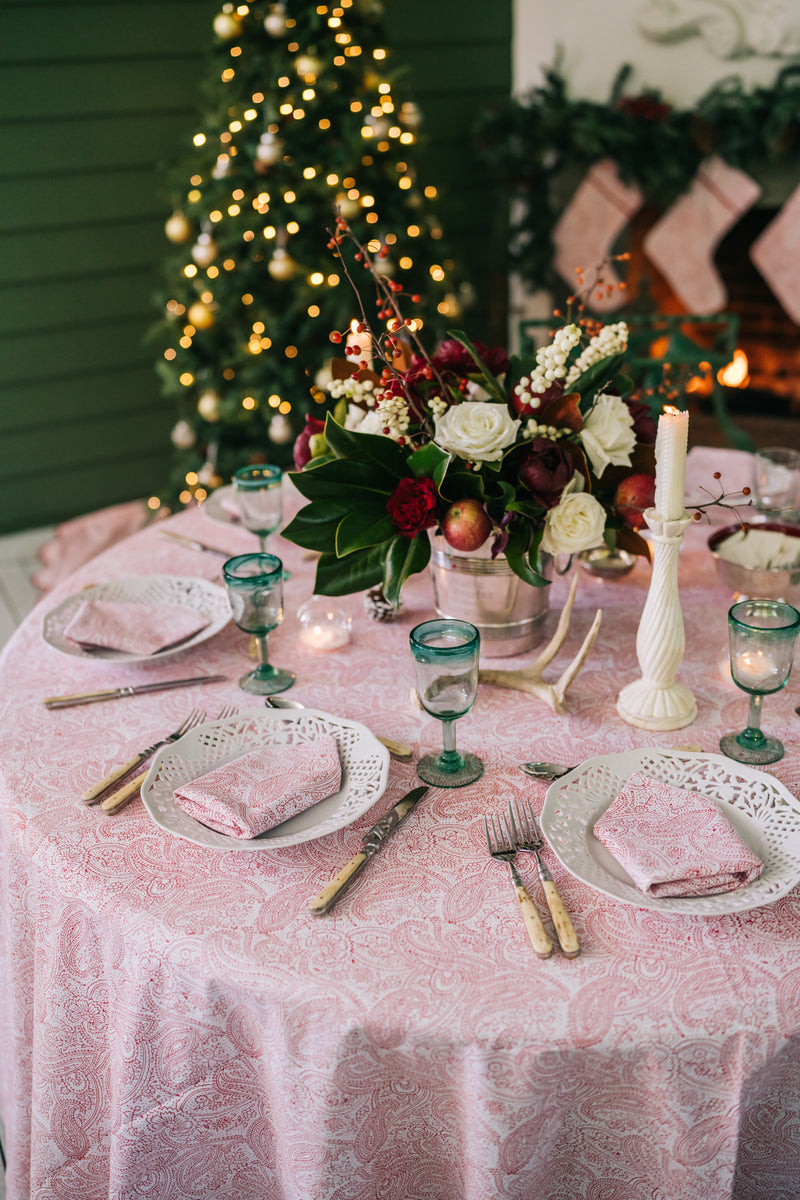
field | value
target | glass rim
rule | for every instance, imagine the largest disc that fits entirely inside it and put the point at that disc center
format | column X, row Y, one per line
column 258, row 474
column 777, row 605
column 272, row 566
column 472, row 638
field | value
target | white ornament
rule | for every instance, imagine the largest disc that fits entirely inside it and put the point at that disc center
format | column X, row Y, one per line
column 382, row 266
column 347, row 207
column 410, row 115
column 281, row 266
column 221, row 167
column 269, row 149
column 183, row 435
column 204, row 250
column 275, row 21
column 280, row 430
column 207, row 474
column 307, row 64
column 227, row 25
column 379, row 126
column 208, row 405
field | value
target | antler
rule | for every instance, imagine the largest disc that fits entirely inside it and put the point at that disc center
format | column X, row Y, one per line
column 529, row 679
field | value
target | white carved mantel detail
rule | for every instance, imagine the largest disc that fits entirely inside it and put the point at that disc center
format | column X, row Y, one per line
column 729, row 28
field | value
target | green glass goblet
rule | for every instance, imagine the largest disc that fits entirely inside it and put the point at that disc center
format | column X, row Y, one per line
column 255, row 594
column 445, row 654
column 763, row 636
column 260, row 498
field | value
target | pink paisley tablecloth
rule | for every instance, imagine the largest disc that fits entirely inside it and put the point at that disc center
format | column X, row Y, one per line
column 176, row 1025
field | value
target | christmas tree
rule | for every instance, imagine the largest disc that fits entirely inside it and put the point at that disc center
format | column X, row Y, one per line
column 302, row 121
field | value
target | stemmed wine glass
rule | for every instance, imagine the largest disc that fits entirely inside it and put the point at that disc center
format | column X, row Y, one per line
column 260, row 499
column 255, row 593
column 776, row 482
column 763, row 635
column 445, row 654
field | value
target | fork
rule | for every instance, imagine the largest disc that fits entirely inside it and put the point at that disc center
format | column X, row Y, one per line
column 113, row 803
column 501, row 846
column 526, row 835
column 94, row 793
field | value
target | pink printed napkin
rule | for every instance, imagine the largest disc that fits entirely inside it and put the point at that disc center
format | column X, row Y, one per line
column 261, row 789
column 132, row 628
column 674, row 842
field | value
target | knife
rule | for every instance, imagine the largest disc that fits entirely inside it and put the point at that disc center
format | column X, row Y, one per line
column 114, row 693
column 373, row 841
column 192, row 543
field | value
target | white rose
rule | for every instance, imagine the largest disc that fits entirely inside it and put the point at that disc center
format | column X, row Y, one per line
column 476, row 431
column 608, row 435
column 370, row 422
column 576, row 523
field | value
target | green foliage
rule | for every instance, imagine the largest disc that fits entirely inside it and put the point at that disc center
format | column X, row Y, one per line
column 539, row 147
column 252, row 370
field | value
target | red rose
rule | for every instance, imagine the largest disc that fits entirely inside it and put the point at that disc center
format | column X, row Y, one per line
column 545, row 469
column 412, row 505
column 302, row 450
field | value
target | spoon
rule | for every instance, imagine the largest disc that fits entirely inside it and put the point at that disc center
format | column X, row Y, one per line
column 398, row 750
column 544, row 770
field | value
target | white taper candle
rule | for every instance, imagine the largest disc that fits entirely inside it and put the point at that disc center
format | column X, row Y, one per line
column 671, row 441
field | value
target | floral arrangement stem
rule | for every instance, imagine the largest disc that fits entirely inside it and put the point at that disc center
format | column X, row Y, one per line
column 656, row 701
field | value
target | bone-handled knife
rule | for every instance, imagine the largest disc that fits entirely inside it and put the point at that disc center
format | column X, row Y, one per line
column 373, row 841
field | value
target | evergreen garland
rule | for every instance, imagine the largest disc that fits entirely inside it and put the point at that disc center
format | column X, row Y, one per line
column 539, row 147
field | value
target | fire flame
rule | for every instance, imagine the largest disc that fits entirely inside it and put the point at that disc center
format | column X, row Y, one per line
column 735, row 374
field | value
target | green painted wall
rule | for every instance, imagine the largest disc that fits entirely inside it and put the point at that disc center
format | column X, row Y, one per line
column 96, row 98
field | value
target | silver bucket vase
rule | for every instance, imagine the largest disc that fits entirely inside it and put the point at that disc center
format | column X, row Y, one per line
column 509, row 613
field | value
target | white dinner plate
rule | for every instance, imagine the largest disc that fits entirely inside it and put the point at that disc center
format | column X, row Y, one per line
column 214, row 508
column 761, row 810
column 365, row 768
column 208, row 599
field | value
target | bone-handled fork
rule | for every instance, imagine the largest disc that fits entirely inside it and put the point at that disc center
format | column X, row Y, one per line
column 113, row 803
column 94, row 793
column 526, row 835
column 501, row 846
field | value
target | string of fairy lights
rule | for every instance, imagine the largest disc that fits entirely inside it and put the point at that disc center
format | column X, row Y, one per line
column 261, row 211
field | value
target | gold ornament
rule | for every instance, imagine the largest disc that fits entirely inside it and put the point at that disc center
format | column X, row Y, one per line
column 275, row 21
column 208, row 476
column 410, row 116
column 204, row 251
column 182, row 435
column 269, row 149
column 178, row 229
column 200, row 315
column 308, row 65
column 208, row 405
column 281, row 266
column 280, row 430
column 347, row 207
column 227, row 25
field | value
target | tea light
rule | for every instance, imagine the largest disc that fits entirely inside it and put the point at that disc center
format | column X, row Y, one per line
column 754, row 668
column 324, row 625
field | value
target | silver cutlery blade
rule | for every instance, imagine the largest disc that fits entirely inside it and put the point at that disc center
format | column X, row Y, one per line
column 373, row 841
column 116, row 693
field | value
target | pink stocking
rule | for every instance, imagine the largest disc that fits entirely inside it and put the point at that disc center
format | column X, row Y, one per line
column 682, row 244
column 590, row 224
column 776, row 253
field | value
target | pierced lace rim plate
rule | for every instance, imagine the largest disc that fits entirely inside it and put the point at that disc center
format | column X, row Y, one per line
column 365, row 769
column 213, row 507
column 762, row 811
column 200, row 595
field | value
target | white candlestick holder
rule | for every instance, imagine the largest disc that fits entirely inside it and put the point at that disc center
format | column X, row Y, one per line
column 656, row 701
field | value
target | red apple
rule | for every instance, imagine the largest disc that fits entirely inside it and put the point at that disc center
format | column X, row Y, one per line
column 634, row 494
column 466, row 525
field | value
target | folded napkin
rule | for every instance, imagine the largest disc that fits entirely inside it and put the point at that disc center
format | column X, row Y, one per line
column 229, row 503
column 264, row 787
column 674, row 842
column 761, row 549
column 132, row 628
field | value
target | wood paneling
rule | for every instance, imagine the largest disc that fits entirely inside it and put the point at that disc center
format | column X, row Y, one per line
column 96, row 98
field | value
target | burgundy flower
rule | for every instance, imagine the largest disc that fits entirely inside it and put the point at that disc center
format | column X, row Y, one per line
column 412, row 505
column 644, row 423
column 302, row 449
column 452, row 356
column 647, row 106
column 545, row 469
column 522, row 409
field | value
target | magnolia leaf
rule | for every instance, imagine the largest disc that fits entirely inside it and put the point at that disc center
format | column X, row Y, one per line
column 430, row 460
column 563, row 412
column 362, row 527
column 382, row 452
column 314, row 526
column 354, row 573
column 404, row 557
column 463, row 485
column 628, row 539
column 338, row 478
column 489, row 382
column 595, row 377
column 517, row 552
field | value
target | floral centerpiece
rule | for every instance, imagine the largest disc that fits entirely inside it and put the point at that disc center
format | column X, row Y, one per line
column 545, row 454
